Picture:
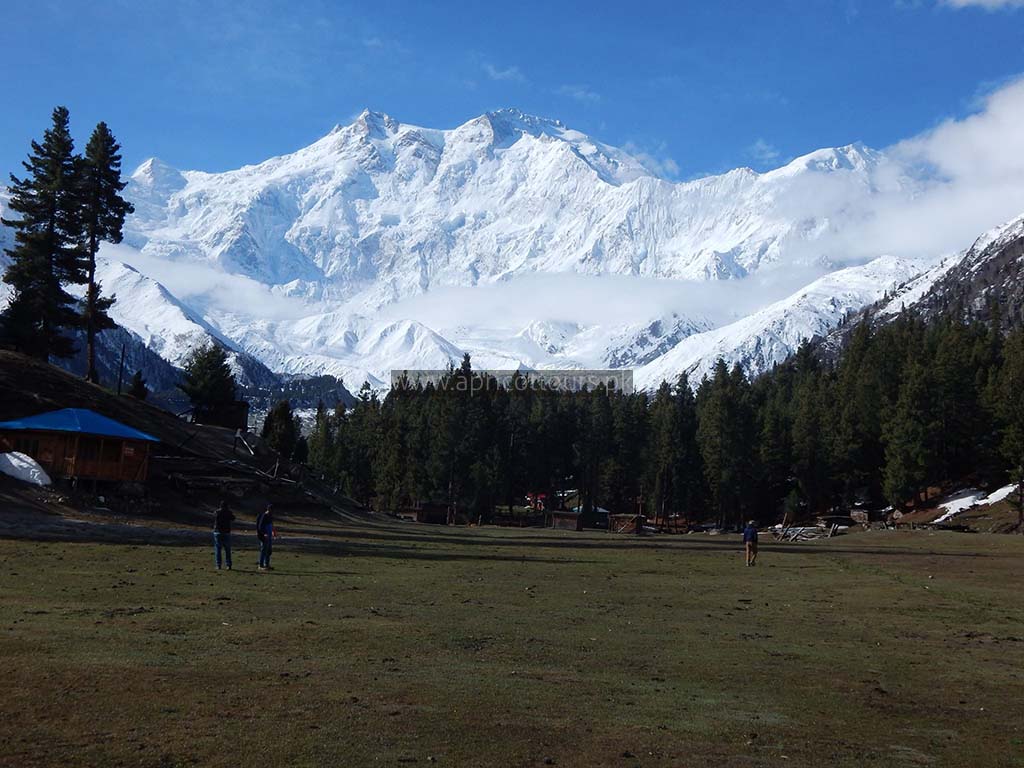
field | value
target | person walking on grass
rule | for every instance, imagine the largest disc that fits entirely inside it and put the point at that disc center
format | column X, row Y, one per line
column 265, row 533
column 222, row 533
column 750, row 542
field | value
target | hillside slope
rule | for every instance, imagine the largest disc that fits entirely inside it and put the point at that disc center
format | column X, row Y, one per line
column 28, row 387
column 986, row 279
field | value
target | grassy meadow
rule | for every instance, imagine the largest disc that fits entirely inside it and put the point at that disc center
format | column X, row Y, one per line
column 398, row 645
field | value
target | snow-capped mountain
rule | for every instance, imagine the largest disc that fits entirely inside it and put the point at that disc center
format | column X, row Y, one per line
column 381, row 210
column 989, row 274
column 148, row 310
column 769, row 336
column 385, row 246
column 989, row 277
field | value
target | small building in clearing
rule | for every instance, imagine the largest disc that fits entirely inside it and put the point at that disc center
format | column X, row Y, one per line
column 566, row 519
column 80, row 444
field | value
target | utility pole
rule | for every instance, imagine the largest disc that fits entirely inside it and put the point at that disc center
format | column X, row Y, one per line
column 120, row 370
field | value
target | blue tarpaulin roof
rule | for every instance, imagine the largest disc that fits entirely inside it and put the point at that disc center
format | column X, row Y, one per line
column 79, row 420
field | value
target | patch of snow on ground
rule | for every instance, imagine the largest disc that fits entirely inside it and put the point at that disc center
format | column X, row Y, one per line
column 24, row 468
column 968, row 498
column 999, row 495
column 959, row 502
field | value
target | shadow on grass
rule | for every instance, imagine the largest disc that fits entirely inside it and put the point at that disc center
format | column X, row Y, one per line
column 433, row 543
column 666, row 543
column 246, row 545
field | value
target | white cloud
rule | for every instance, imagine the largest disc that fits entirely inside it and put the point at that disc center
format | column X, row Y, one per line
column 201, row 285
column 988, row 5
column 763, row 153
column 580, row 93
column 657, row 161
column 510, row 74
column 937, row 192
column 587, row 300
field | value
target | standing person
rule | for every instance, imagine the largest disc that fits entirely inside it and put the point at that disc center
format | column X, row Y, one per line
column 222, row 533
column 265, row 533
column 750, row 542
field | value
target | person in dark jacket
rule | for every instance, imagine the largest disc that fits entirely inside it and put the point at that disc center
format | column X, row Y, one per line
column 222, row 533
column 750, row 542
column 265, row 533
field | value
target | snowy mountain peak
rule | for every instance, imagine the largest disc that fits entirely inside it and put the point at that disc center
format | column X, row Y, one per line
column 852, row 157
column 376, row 125
column 154, row 173
column 510, row 120
column 999, row 235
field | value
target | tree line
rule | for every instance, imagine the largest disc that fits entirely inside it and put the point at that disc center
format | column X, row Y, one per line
column 68, row 204
column 905, row 408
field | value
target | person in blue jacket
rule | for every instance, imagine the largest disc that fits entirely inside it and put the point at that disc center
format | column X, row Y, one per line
column 750, row 542
column 265, row 533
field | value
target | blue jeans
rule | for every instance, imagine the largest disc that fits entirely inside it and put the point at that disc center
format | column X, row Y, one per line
column 222, row 541
column 266, row 546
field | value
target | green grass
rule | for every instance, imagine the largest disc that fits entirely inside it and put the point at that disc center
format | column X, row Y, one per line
column 435, row 646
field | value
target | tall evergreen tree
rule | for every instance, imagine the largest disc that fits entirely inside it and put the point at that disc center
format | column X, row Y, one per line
column 48, row 250
column 321, row 441
column 810, row 444
column 281, row 429
column 774, row 451
column 362, row 438
column 909, row 454
column 726, row 437
column 102, row 215
column 300, row 455
column 665, row 444
column 1011, row 411
column 137, row 388
column 859, row 404
column 689, row 474
column 208, row 381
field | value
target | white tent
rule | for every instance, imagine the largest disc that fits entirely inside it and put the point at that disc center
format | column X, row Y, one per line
column 24, row 468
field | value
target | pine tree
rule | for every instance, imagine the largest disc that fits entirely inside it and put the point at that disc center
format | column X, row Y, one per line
column 725, row 434
column 301, row 453
column 281, row 429
column 321, row 441
column 810, row 444
column 362, row 444
column 208, row 380
column 48, row 251
column 103, row 212
column 909, row 454
column 859, row 404
column 137, row 388
column 664, row 446
column 689, row 472
column 620, row 482
column 1011, row 412
column 591, row 447
column 774, row 451
column 512, row 409
column 392, row 455
column 712, row 412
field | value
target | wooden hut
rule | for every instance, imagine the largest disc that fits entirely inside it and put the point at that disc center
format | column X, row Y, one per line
column 566, row 519
column 81, row 444
column 427, row 512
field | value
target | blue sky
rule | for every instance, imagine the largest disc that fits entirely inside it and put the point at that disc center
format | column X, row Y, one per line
column 698, row 87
